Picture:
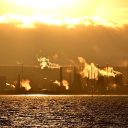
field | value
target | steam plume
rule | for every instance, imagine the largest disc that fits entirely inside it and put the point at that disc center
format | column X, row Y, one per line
column 64, row 83
column 10, row 85
column 91, row 71
column 44, row 62
column 26, row 84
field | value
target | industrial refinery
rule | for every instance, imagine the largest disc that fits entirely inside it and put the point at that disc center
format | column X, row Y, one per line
column 51, row 78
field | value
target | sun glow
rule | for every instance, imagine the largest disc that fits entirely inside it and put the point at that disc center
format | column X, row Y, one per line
column 67, row 13
column 60, row 11
column 32, row 21
column 43, row 4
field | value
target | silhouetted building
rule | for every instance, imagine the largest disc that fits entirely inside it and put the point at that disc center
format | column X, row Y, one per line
column 18, row 84
column 77, row 84
column 61, row 76
column 2, row 81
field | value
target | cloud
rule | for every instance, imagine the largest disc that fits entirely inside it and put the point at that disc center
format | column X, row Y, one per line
column 22, row 21
column 99, row 44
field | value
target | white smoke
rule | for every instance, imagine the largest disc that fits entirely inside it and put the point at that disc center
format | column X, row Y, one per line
column 10, row 85
column 25, row 84
column 45, row 63
column 91, row 71
column 64, row 83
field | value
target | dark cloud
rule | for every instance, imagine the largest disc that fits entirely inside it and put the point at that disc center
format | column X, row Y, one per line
column 95, row 43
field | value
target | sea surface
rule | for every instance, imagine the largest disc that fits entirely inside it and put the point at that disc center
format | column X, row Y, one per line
column 42, row 111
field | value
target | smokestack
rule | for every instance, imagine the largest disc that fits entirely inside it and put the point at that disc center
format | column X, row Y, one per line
column 74, row 73
column 18, row 83
column 97, row 71
column 61, row 76
column 107, row 70
column 91, row 72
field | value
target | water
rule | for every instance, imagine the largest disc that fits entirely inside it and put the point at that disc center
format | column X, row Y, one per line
column 63, row 112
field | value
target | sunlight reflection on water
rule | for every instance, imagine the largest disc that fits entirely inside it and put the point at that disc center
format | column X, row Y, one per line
column 60, row 111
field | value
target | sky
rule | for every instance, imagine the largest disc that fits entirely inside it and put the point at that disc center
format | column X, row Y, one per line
column 113, row 10
column 94, row 29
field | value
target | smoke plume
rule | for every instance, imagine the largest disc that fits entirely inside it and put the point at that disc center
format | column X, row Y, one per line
column 64, row 83
column 45, row 63
column 26, row 84
column 92, row 71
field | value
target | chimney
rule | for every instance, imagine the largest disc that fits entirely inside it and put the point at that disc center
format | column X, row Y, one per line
column 61, row 76
column 18, row 83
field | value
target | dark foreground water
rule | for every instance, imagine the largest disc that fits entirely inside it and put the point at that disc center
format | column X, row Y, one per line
column 63, row 112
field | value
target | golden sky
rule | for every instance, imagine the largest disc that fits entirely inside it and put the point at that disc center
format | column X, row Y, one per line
column 101, row 19
column 54, row 11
